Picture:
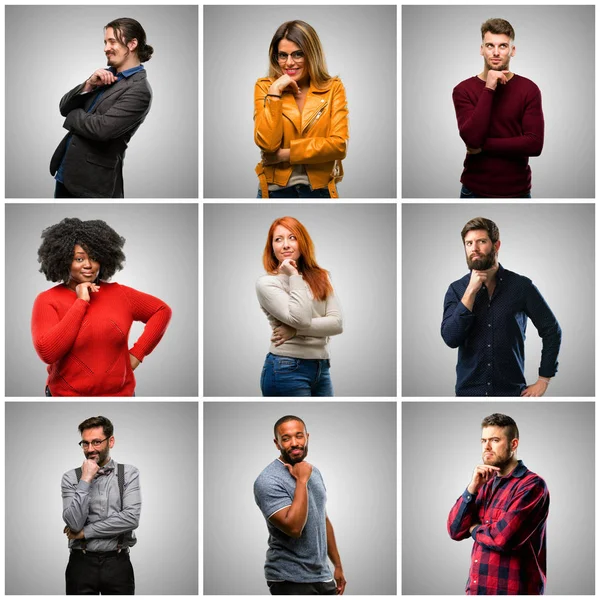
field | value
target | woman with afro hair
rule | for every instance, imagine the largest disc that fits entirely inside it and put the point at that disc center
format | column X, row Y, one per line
column 81, row 326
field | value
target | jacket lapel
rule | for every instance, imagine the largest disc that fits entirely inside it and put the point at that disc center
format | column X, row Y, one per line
column 125, row 82
column 290, row 110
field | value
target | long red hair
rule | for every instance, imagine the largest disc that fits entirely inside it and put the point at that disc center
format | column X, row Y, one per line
column 311, row 272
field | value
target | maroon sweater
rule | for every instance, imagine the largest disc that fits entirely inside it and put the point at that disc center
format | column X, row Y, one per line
column 508, row 124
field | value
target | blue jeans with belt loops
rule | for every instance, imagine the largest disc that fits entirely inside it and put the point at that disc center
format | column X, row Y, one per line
column 287, row 376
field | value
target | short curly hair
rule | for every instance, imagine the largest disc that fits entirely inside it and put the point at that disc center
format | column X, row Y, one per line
column 98, row 239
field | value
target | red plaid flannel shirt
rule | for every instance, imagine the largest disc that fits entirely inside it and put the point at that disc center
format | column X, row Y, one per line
column 509, row 553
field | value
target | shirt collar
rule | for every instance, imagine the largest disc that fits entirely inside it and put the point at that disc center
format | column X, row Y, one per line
column 128, row 72
column 518, row 471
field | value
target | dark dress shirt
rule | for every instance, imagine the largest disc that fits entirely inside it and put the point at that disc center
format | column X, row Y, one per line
column 509, row 553
column 491, row 338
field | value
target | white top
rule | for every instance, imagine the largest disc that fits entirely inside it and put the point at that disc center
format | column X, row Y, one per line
column 289, row 300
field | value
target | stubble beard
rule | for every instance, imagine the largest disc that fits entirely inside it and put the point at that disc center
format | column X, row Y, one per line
column 501, row 67
column 499, row 461
column 291, row 460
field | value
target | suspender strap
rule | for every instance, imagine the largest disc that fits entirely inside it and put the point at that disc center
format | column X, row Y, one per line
column 121, row 482
column 78, row 474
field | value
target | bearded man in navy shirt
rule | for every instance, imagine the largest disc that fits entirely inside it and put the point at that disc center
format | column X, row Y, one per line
column 485, row 317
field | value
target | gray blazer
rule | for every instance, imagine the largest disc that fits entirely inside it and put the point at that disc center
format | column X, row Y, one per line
column 94, row 161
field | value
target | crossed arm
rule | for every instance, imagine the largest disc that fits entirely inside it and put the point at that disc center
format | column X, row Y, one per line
column 268, row 129
column 76, row 499
column 526, row 512
column 294, row 309
column 474, row 123
column 126, row 113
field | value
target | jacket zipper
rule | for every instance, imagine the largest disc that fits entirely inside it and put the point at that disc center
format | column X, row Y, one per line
column 315, row 117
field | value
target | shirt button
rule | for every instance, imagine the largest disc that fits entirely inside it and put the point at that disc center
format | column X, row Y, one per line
column 475, row 560
column 489, row 345
column 489, row 383
column 489, row 324
column 322, row 100
column 489, row 364
column 474, row 580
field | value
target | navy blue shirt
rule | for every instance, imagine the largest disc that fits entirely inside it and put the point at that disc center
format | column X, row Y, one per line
column 122, row 75
column 491, row 338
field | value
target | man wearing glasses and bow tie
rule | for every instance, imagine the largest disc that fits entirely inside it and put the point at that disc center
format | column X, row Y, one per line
column 101, row 508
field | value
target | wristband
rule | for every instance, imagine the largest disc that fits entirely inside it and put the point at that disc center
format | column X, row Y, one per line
column 275, row 95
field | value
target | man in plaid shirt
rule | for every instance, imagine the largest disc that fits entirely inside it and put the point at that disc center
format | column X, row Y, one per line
column 504, row 509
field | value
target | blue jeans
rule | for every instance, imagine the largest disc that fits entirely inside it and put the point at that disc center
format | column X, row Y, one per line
column 298, row 191
column 287, row 376
column 465, row 192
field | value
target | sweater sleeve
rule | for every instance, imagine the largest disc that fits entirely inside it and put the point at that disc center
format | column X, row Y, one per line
column 54, row 337
column 531, row 142
column 473, row 118
column 330, row 324
column 313, row 150
column 268, row 118
column 294, row 309
column 152, row 311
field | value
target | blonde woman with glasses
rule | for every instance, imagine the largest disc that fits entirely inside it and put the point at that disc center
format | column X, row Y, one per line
column 300, row 119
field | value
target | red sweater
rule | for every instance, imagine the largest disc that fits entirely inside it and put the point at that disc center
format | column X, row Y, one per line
column 86, row 343
column 508, row 124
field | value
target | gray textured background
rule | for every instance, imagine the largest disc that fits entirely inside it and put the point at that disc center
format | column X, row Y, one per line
column 162, row 260
column 353, row 444
column 356, row 243
column 552, row 244
column 51, row 49
column 555, row 49
column 159, row 438
column 360, row 47
column 440, row 448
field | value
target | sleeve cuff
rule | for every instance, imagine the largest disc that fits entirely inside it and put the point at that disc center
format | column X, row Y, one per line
column 468, row 497
column 83, row 485
column 474, row 532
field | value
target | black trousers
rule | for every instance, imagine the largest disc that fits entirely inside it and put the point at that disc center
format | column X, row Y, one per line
column 289, row 588
column 93, row 574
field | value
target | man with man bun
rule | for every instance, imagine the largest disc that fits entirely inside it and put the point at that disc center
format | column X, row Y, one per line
column 102, row 114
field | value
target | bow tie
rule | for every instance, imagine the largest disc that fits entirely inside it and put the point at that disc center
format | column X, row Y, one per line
column 104, row 471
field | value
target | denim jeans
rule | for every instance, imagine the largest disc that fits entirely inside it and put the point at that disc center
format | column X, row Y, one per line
column 287, row 376
column 465, row 192
column 298, row 191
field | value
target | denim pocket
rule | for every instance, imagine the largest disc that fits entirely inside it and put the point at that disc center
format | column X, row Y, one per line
column 285, row 364
column 465, row 192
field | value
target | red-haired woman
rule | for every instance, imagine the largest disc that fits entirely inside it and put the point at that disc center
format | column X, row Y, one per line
column 303, row 311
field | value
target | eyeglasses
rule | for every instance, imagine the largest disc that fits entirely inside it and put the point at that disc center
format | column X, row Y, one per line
column 296, row 56
column 95, row 443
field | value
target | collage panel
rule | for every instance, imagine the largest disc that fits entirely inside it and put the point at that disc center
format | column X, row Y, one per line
column 316, row 119
column 263, row 529
column 121, row 527
column 487, row 116
column 273, row 333
column 513, row 483
column 76, row 325
column 508, row 327
column 126, row 83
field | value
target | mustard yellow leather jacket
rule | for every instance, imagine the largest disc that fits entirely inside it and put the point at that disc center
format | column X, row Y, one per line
column 317, row 138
